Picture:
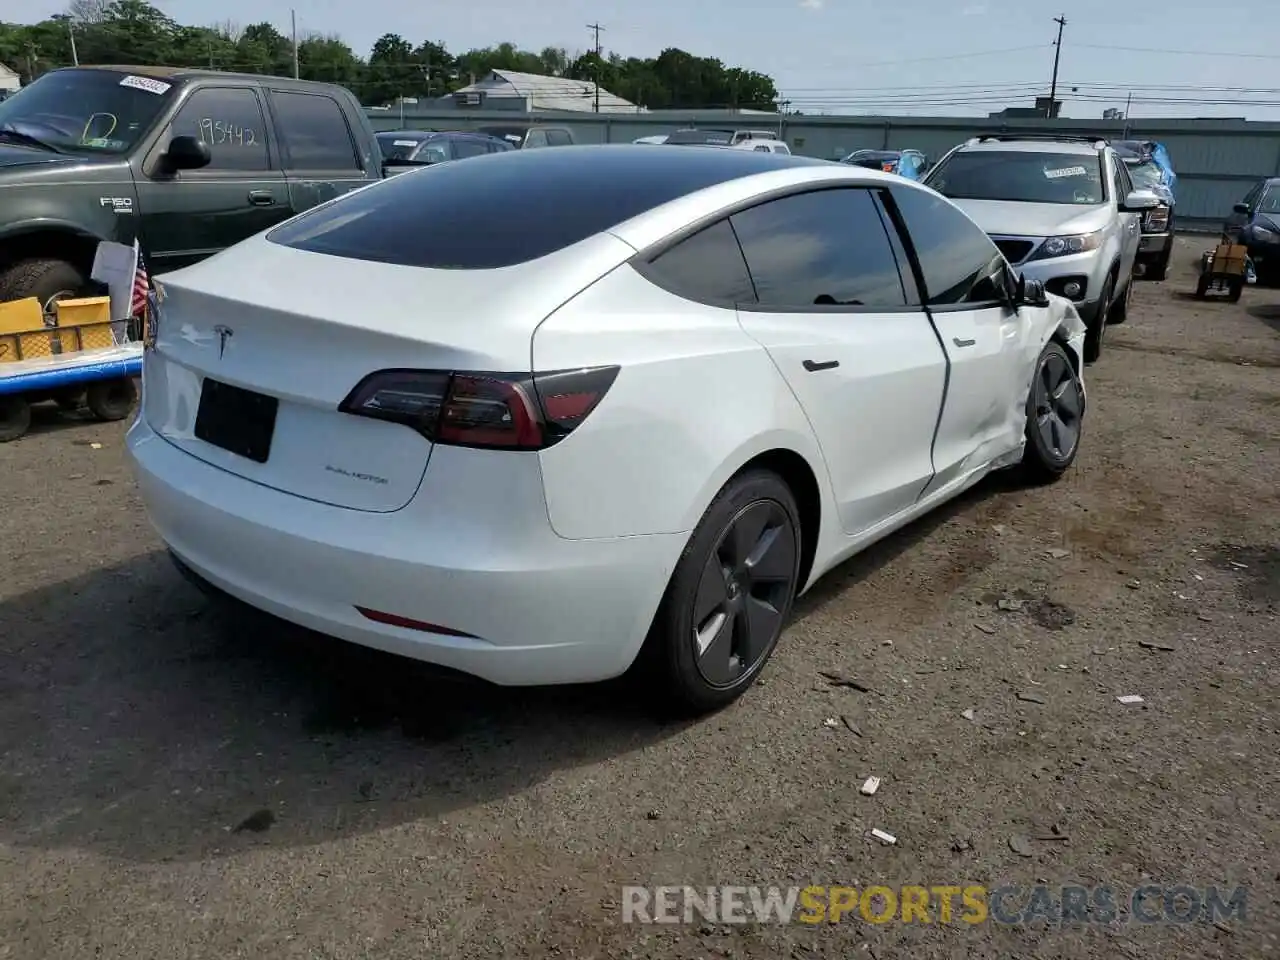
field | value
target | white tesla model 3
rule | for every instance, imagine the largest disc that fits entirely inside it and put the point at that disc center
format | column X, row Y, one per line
column 533, row 416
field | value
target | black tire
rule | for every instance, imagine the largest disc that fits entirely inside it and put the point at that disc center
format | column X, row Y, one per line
column 1234, row 289
column 1202, row 286
column 1097, row 329
column 1055, row 392
column 15, row 418
column 1120, row 309
column 111, row 399
column 1156, row 272
column 47, row 279
column 686, row 683
column 69, row 399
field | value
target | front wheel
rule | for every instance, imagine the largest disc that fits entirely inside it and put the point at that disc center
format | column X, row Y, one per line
column 1119, row 312
column 1097, row 329
column 1055, row 416
column 729, row 596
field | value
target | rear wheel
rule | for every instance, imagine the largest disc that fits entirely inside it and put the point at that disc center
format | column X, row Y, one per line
column 729, row 596
column 1055, row 416
column 111, row 399
column 1234, row 288
column 15, row 418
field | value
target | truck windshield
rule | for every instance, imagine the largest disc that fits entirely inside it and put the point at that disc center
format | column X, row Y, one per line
column 1025, row 176
column 1146, row 174
column 85, row 111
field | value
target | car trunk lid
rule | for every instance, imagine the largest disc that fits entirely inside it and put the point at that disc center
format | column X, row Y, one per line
column 256, row 348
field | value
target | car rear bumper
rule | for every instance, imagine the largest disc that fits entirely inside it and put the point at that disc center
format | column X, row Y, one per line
column 472, row 560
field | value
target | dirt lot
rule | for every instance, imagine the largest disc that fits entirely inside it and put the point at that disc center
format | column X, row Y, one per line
column 176, row 782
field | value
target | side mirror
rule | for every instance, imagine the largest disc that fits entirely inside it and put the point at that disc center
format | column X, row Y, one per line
column 186, row 153
column 1031, row 292
column 1140, row 201
column 1242, row 208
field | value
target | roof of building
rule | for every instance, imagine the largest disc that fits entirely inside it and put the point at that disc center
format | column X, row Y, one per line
column 7, row 71
column 549, row 93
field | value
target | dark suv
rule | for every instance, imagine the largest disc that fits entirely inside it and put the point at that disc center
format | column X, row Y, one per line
column 186, row 161
column 1255, row 222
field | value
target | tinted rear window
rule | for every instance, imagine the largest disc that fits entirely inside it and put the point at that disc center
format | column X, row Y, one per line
column 512, row 207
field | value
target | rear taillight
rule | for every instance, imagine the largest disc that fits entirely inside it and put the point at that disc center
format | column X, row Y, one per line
column 490, row 410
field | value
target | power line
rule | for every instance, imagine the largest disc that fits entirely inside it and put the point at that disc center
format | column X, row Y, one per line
column 1182, row 53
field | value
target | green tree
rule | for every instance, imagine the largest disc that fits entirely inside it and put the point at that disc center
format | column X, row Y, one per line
column 134, row 31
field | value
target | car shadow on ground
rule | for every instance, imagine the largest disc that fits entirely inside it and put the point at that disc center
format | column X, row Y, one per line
column 1268, row 313
column 47, row 417
column 141, row 721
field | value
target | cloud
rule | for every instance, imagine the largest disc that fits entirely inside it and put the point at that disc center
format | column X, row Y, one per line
column 811, row 4
column 974, row 10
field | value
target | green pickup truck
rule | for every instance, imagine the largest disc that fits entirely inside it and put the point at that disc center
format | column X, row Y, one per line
column 186, row 161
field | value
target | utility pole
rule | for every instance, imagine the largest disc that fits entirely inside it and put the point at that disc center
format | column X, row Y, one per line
column 71, row 33
column 1057, row 52
column 293, row 17
column 596, row 28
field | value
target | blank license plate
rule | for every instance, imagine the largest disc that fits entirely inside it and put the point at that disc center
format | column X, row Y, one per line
column 236, row 419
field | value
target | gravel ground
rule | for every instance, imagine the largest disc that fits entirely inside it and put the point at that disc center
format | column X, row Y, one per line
column 181, row 782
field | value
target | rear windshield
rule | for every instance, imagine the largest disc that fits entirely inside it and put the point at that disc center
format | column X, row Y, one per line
column 713, row 137
column 397, row 147
column 512, row 135
column 511, row 207
column 1027, row 176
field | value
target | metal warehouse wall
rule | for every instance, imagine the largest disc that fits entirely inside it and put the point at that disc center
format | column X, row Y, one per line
column 1216, row 160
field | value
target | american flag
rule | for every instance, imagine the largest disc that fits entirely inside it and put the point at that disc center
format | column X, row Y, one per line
column 141, row 288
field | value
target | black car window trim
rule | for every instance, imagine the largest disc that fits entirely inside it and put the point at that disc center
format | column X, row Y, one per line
column 286, row 159
column 151, row 165
column 998, row 263
column 642, row 260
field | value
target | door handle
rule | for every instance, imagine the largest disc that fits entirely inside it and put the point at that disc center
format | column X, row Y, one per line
column 813, row 366
column 261, row 198
column 963, row 343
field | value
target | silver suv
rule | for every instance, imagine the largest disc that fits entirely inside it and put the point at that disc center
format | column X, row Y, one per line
column 1062, row 210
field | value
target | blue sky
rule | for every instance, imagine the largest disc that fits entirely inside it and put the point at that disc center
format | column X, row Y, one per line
column 837, row 56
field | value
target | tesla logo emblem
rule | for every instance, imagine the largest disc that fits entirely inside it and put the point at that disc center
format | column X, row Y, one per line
column 224, row 334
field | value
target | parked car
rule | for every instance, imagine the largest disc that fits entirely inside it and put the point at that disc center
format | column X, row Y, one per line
column 405, row 149
column 1255, row 222
column 642, row 441
column 905, row 163
column 1063, row 210
column 763, row 146
column 717, row 137
column 525, row 137
column 188, row 161
column 1151, row 168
